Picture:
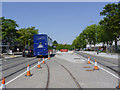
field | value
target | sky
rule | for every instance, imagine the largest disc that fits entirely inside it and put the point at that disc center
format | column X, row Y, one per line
column 62, row 21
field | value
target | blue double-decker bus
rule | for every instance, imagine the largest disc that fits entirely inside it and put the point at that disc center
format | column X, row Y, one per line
column 42, row 45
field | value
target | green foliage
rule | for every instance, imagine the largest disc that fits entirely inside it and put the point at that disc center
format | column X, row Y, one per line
column 87, row 36
column 0, row 29
column 111, row 21
column 26, row 35
column 90, row 33
column 55, row 43
column 9, row 31
column 65, row 46
column 106, row 32
column 79, row 42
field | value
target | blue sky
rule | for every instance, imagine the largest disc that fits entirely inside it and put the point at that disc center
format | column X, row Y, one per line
column 61, row 21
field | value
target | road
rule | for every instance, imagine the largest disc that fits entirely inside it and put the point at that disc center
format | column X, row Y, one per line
column 64, row 70
column 109, row 63
column 14, row 66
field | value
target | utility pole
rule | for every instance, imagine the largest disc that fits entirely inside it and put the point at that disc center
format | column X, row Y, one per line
column 96, row 33
column 96, row 38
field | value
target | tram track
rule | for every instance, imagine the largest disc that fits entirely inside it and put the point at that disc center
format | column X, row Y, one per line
column 17, row 70
column 16, row 65
column 74, row 79
column 48, row 77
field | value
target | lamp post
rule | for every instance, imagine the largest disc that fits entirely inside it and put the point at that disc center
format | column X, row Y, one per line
column 96, row 32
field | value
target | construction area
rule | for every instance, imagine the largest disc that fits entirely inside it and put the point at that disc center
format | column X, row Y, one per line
column 64, row 70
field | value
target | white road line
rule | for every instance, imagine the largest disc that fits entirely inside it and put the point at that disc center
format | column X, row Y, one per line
column 21, row 74
column 106, row 71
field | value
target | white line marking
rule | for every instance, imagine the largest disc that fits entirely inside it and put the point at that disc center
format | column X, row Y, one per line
column 106, row 71
column 21, row 74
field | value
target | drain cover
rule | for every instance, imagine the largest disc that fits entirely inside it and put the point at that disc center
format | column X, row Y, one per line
column 89, row 70
column 77, row 58
column 86, row 67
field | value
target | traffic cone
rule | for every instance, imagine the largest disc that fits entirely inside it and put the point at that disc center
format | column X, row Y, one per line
column 38, row 66
column 3, row 84
column 43, row 60
column 96, row 67
column 48, row 57
column 118, row 87
column 89, row 60
column 28, row 71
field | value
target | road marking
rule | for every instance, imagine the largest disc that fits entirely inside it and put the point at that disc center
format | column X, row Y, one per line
column 12, row 63
column 107, row 71
column 20, row 74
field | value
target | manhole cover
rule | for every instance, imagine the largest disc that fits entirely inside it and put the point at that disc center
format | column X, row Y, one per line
column 89, row 70
column 76, row 58
column 86, row 67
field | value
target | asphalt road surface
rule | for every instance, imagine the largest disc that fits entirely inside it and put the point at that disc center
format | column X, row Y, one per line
column 15, row 66
column 65, row 70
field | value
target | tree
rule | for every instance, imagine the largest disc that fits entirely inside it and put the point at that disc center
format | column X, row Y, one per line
column 80, row 41
column 9, row 31
column 64, row 46
column 55, row 42
column 90, row 34
column 0, row 29
column 103, row 35
column 111, row 21
column 26, row 36
column 76, row 43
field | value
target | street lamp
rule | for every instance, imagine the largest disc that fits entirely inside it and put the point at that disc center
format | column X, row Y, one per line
column 96, row 32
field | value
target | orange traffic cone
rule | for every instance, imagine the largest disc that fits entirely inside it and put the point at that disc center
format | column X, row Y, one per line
column 118, row 87
column 96, row 67
column 3, row 83
column 28, row 71
column 89, row 60
column 38, row 66
column 48, row 57
column 43, row 60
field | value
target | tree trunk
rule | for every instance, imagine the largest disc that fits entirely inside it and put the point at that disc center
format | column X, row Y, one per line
column 107, row 47
column 115, row 44
column 103, row 44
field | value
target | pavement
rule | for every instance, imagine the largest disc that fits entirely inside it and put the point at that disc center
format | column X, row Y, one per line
column 60, row 78
column 106, row 55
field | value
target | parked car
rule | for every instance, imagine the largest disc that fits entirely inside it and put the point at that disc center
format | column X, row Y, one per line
column 27, row 52
column 9, row 52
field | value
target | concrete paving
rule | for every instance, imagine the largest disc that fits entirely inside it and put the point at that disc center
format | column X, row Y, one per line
column 109, row 64
column 37, row 80
column 107, row 55
column 90, row 79
column 60, row 78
